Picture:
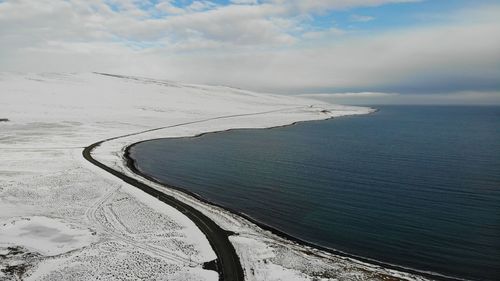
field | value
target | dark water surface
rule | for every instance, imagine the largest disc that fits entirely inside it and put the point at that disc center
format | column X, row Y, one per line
column 415, row 186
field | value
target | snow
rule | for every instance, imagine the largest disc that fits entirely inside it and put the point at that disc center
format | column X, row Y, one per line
column 44, row 235
column 73, row 221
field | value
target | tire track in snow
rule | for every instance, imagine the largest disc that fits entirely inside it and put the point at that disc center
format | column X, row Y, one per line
column 92, row 215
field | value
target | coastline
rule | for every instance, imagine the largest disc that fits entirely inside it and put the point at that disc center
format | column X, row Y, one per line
column 131, row 165
column 227, row 264
column 46, row 143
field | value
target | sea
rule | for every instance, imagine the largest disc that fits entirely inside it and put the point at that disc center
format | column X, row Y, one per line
column 416, row 187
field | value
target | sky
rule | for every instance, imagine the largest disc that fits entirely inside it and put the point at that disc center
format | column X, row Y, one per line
column 351, row 51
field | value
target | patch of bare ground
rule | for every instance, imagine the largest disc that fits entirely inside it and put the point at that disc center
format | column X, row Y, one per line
column 15, row 261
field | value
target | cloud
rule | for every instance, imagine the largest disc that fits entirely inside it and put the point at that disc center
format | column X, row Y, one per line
column 352, row 95
column 169, row 8
column 245, row 22
column 245, row 2
column 27, row 23
column 428, row 59
column 361, row 18
column 268, row 46
column 328, row 5
column 324, row 34
column 201, row 5
column 452, row 98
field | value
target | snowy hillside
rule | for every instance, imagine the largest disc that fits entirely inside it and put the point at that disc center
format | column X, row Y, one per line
column 62, row 218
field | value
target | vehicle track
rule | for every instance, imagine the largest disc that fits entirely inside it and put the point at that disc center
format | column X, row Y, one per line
column 121, row 236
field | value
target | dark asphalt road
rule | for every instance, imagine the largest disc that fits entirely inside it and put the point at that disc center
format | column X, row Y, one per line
column 228, row 263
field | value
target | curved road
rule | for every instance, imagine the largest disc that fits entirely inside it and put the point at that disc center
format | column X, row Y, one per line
column 227, row 264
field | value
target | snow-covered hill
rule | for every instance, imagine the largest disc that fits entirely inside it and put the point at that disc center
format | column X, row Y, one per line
column 63, row 219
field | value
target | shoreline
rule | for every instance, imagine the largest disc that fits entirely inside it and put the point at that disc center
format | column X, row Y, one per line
column 227, row 264
column 131, row 165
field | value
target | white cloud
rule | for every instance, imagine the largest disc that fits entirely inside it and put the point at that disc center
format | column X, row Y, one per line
column 201, row 5
column 361, row 18
column 259, row 46
column 453, row 98
column 26, row 23
column 245, row 2
column 324, row 34
column 447, row 56
column 352, row 95
column 326, row 5
column 168, row 7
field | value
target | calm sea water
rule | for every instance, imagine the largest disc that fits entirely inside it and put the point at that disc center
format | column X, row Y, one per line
column 415, row 186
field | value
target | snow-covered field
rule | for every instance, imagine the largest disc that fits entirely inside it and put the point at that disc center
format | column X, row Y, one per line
column 61, row 218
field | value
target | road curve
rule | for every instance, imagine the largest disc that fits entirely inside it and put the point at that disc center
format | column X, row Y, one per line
column 228, row 263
